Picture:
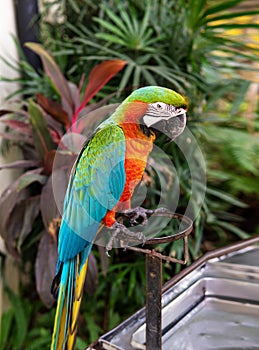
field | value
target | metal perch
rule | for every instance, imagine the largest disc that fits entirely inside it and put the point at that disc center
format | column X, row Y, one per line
column 154, row 278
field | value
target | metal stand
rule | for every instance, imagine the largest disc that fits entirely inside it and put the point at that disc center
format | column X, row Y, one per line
column 153, row 302
column 154, row 279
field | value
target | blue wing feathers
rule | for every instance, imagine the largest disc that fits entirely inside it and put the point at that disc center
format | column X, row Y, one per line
column 117, row 180
column 95, row 186
column 74, row 243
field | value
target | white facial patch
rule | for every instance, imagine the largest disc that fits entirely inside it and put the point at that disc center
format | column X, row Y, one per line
column 161, row 111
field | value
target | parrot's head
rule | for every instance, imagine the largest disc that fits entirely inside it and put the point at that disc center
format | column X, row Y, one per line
column 164, row 110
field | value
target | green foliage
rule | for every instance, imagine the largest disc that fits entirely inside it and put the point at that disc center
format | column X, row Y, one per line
column 240, row 150
column 25, row 325
column 20, row 319
column 164, row 42
column 29, row 80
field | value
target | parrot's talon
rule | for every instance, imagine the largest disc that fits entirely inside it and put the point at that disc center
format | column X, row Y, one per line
column 133, row 222
column 108, row 246
column 160, row 210
column 136, row 213
column 124, row 236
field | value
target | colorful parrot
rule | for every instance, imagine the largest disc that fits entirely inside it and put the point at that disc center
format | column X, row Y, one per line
column 102, row 181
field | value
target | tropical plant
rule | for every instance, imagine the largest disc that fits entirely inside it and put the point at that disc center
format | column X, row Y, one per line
column 29, row 210
column 166, row 42
column 20, row 328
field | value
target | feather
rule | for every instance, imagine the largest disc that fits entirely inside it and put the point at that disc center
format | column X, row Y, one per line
column 69, row 300
column 103, row 178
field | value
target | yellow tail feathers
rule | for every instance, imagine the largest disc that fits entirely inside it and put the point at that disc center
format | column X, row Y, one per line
column 68, row 305
column 80, row 280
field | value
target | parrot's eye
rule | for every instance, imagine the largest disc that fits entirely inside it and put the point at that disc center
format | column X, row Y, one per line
column 160, row 106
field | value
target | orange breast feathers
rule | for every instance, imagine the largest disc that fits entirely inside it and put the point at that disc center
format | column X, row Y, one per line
column 138, row 147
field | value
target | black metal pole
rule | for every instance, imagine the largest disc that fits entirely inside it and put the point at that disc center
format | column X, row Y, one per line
column 153, row 302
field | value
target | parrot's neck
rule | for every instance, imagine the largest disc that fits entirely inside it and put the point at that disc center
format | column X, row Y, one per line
column 138, row 143
column 138, row 146
column 133, row 131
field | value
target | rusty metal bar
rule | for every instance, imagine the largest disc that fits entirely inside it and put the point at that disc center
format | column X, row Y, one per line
column 154, row 274
column 164, row 257
column 153, row 302
column 154, row 277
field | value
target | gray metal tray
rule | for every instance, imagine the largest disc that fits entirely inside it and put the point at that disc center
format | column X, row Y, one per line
column 215, row 306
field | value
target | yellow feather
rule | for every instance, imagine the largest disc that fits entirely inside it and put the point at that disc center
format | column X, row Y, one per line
column 60, row 336
column 65, row 326
column 78, row 293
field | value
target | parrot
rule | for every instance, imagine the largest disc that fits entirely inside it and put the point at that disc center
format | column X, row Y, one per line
column 102, row 181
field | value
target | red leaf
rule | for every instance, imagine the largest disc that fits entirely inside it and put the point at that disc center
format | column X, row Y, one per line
column 48, row 206
column 53, row 71
column 5, row 111
column 98, row 77
column 29, row 177
column 13, row 229
column 54, row 109
column 45, row 268
column 16, row 137
column 48, row 161
column 17, row 125
column 10, row 200
column 31, row 211
column 20, row 164
column 55, row 136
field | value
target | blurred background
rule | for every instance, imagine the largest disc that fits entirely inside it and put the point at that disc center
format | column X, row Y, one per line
column 207, row 50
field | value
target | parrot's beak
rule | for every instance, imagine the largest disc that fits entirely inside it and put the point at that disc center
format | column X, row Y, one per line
column 172, row 127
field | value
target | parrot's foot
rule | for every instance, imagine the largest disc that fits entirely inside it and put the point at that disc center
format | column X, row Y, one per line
column 134, row 214
column 137, row 213
column 125, row 236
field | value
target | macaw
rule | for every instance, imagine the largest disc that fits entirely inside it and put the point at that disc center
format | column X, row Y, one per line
column 102, row 181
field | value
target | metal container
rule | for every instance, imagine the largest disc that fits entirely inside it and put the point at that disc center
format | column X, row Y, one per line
column 213, row 304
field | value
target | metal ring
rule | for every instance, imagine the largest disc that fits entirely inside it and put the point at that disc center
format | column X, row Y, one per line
column 176, row 236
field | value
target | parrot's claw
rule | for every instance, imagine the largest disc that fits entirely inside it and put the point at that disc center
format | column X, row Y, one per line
column 124, row 236
column 134, row 214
